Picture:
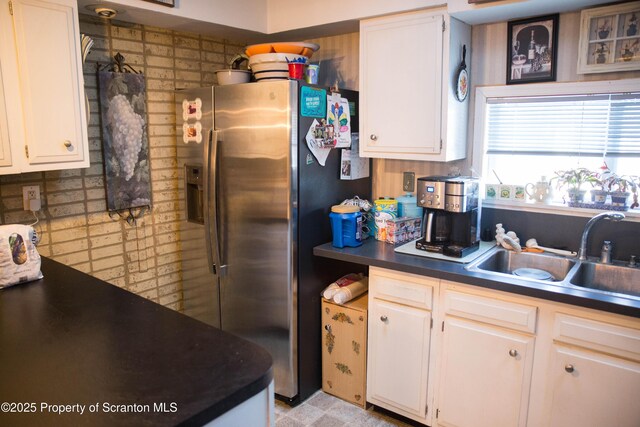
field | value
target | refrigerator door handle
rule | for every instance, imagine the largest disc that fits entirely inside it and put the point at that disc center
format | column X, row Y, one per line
column 211, row 204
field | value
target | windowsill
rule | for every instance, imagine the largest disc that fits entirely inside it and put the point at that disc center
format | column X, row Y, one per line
column 554, row 209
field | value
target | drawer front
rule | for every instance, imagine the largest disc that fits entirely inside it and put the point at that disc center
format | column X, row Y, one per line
column 403, row 288
column 605, row 337
column 510, row 315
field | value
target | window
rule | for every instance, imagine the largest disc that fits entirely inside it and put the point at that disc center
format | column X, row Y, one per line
column 530, row 132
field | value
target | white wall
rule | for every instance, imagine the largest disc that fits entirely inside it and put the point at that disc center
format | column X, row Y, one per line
column 285, row 15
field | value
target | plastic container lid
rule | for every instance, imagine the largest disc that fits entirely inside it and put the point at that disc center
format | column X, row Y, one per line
column 345, row 209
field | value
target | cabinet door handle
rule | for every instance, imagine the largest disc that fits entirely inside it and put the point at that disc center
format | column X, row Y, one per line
column 68, row 143
column 383, row 318
column 374, row 137
column 513, row 352
column 328, row 327
column 569, row 368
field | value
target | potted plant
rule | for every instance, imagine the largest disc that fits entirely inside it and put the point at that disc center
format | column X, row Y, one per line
column 635, row 184
column 620, row 187
column 572, row 180
column 599, row 195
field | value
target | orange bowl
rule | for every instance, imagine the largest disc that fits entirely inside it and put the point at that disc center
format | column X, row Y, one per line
column 256, row 49
column 287, row 48
column 296, row 48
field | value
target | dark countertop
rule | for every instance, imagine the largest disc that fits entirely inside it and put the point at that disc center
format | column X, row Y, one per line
column 380, row 254
column 73, row 339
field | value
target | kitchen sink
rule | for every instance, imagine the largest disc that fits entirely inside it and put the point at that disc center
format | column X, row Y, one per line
column 525, row 265
column 607, row 277
column 561, row 271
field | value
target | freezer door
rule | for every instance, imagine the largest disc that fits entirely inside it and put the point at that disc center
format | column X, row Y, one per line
column 256, row 189
column 194, row 115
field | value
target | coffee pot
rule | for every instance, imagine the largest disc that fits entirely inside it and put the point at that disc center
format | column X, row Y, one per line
column 540, row 191
column 451, row 215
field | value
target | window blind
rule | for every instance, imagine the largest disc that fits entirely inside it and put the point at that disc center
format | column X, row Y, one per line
column 597, row 125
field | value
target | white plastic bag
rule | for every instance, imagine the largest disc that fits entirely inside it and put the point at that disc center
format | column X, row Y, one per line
column 19, row 258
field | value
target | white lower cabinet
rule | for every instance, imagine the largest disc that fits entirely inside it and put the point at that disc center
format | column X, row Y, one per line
column 399, row 343
column 593, row 377
column 497, row 359
column 486, row 360
column 485, row 375
column 592, row 389
column 401, row 356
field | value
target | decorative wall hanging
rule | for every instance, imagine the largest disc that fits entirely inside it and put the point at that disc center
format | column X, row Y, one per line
column 461, row 80
column 86, row 45
column 124, row 132
column 609, row 39
column 532, row 50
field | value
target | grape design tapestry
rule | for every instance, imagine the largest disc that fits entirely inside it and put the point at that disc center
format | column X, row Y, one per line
column 124, row 135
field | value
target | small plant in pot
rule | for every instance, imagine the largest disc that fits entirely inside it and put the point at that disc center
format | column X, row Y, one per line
column 573, row 180
column 620, row 187
column 600, row 193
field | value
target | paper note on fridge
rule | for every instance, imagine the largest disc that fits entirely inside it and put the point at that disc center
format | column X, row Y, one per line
column 352, row 166
column 320, row 153
column 339, row 115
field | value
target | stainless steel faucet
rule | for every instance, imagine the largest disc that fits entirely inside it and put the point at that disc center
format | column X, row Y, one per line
column 605, row 254
column 615, row 216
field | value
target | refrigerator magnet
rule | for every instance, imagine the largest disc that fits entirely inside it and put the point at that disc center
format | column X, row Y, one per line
column 338, row 116
column 315, row 143
column 192, row 133
column 192, row 109
column 313, row 102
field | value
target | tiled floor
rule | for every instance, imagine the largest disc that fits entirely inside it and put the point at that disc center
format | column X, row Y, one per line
column 324, row 410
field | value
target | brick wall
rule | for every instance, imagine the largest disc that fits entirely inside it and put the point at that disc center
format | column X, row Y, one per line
column 74, row 224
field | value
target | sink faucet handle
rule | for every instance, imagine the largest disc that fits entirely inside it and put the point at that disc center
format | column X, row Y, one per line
column 605, row 254
column 632, row 261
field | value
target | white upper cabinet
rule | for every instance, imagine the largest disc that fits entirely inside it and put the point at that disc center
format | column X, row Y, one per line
column 5, row 142
column 408, row 68
column 8, row 76
column 46, row 116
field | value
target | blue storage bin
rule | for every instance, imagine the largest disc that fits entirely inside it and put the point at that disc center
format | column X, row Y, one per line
column 346, row 226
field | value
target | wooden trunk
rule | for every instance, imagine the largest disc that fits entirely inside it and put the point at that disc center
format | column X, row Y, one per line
column 344, row 349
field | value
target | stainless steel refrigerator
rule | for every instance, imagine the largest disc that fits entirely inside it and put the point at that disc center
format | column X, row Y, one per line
column 256, row 203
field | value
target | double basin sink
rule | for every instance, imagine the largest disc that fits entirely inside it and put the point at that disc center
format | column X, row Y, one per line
column 615, row 279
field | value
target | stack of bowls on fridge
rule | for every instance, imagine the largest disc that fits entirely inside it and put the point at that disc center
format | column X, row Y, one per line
column 270, row 61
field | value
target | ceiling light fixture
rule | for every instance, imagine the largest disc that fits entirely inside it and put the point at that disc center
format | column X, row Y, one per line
column 105, row 12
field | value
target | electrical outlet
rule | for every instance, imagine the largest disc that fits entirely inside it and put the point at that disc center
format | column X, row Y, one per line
column 30, row 192
column 408, row 181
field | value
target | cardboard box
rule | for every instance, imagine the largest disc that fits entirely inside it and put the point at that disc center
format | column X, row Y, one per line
column 344, row 349
column 403, row 229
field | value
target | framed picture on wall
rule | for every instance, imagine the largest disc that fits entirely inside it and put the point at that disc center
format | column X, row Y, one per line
column 532, row 50
column 609, row 39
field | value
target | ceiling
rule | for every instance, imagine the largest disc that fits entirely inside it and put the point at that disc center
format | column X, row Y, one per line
column 242, row 27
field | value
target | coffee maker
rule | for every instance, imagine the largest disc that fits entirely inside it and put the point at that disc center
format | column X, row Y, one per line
column 451, row 219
